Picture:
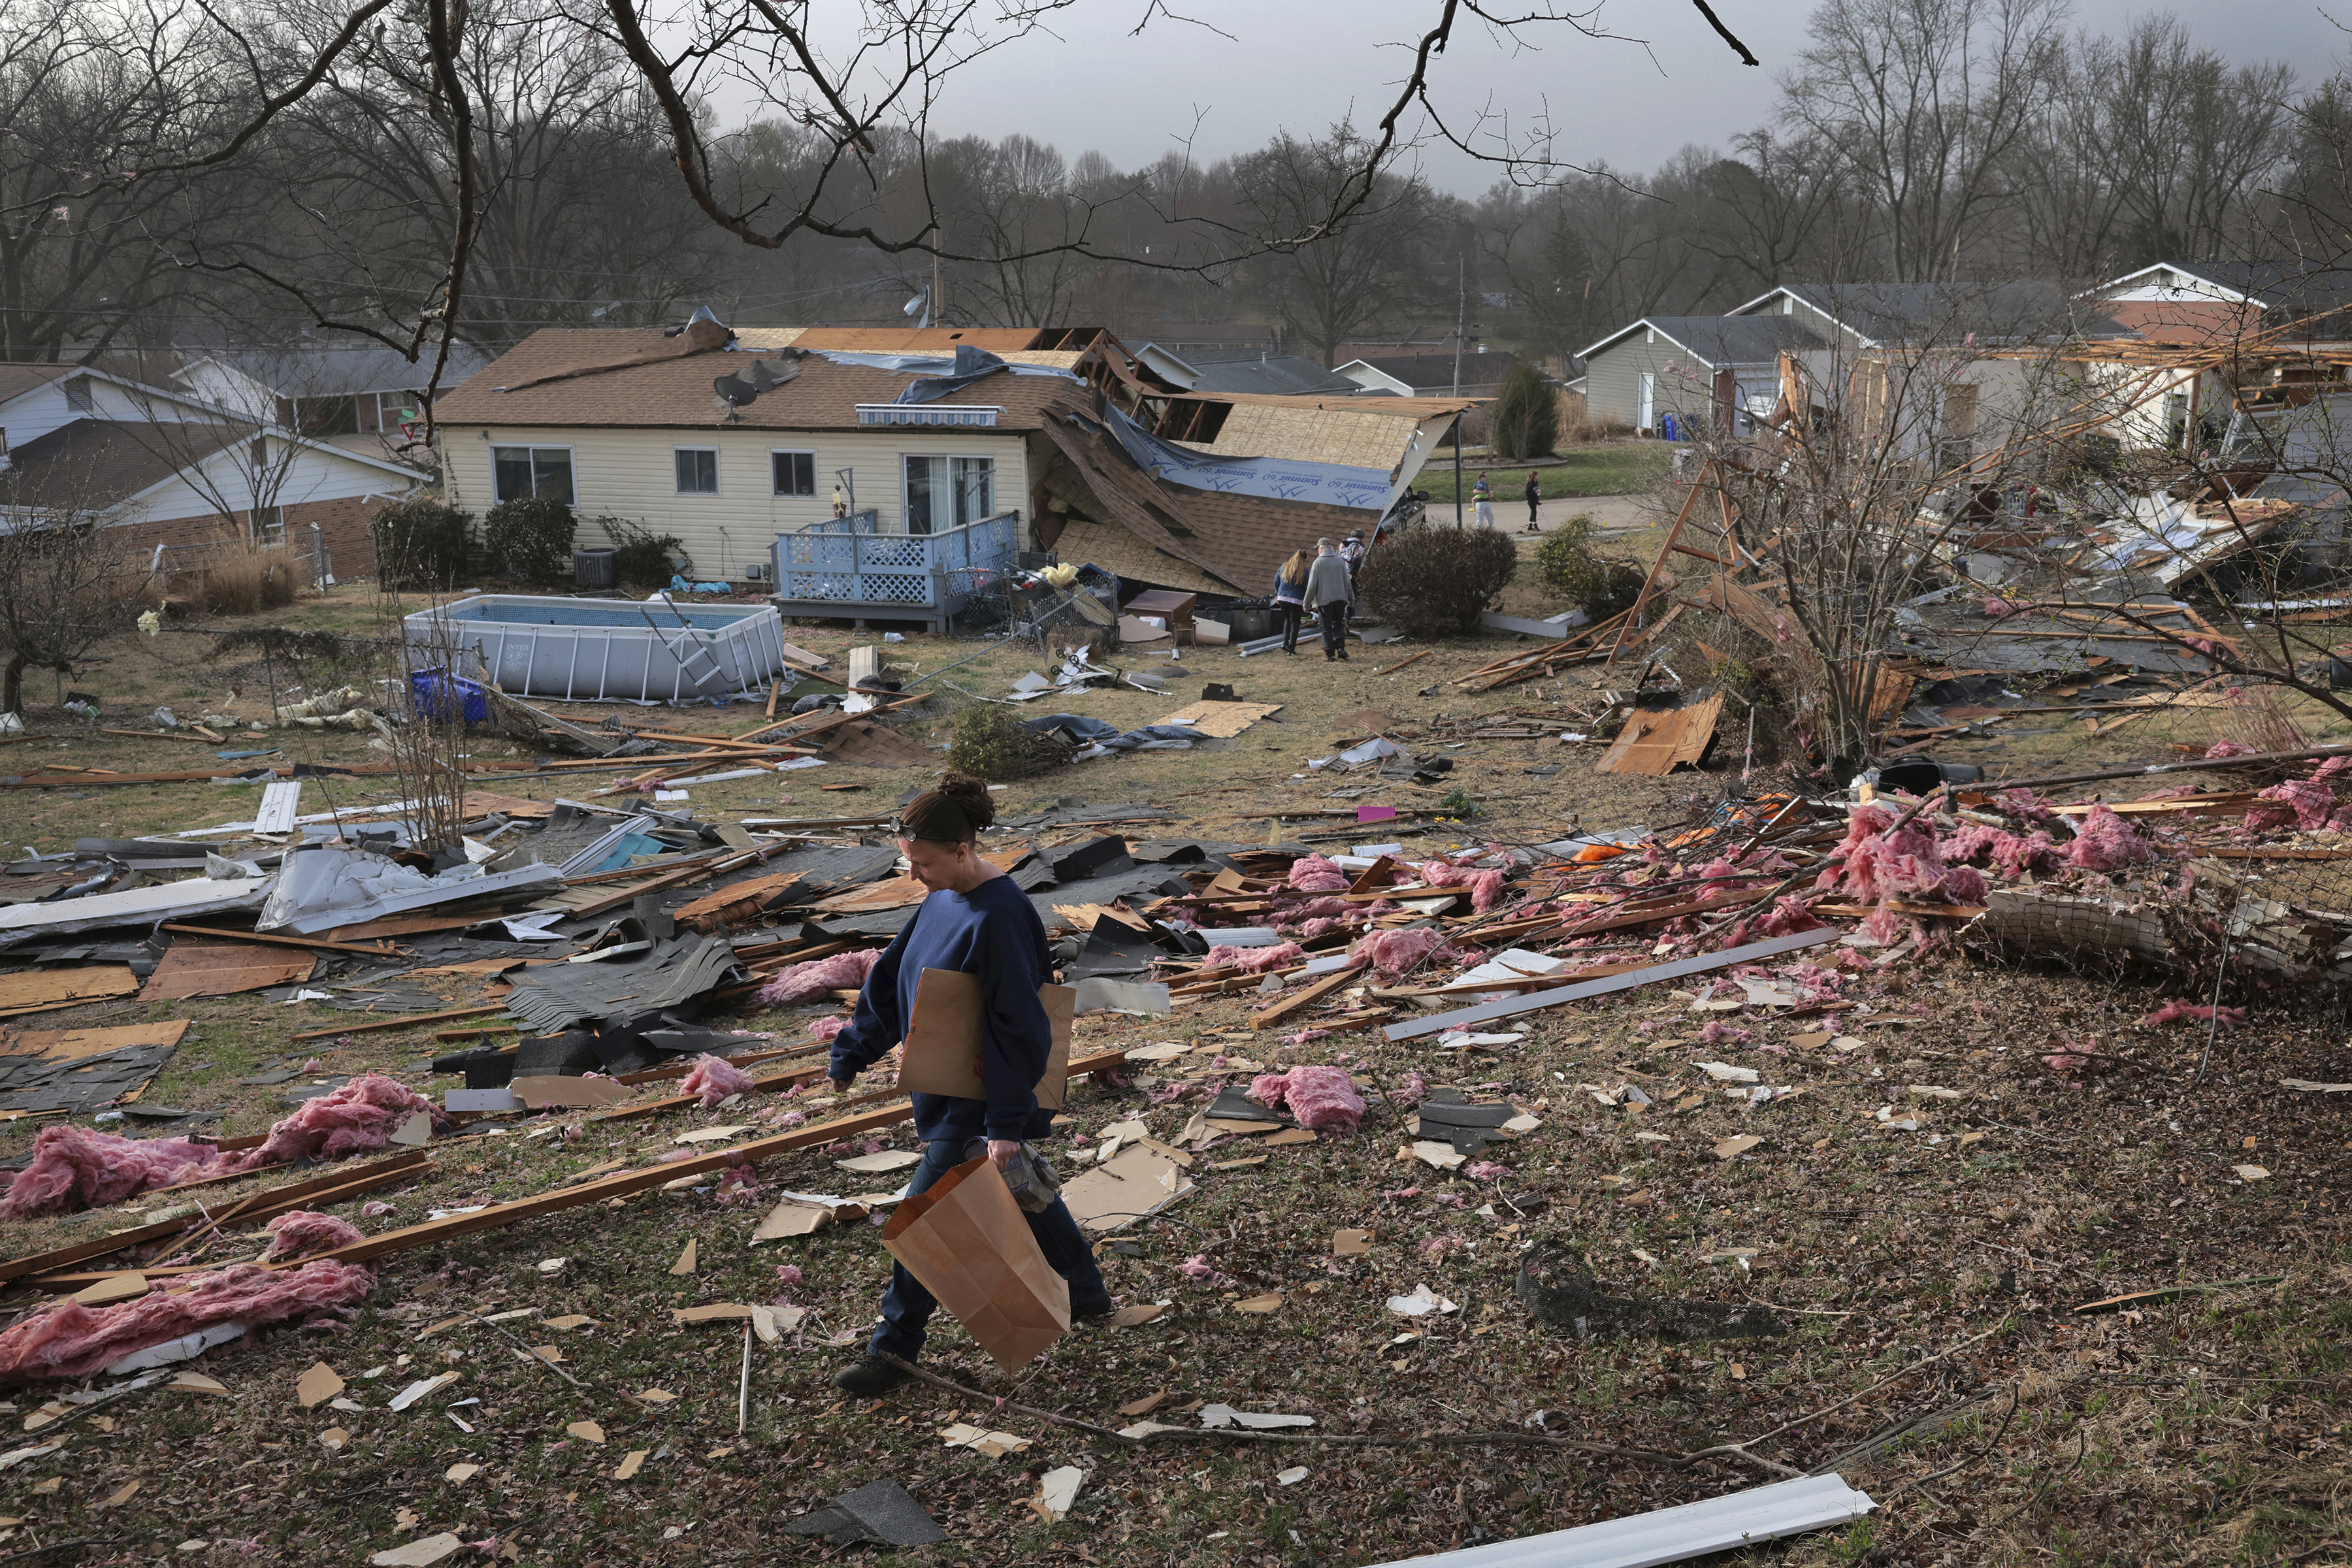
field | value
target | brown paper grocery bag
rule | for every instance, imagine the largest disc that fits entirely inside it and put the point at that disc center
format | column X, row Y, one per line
column 943, row 1038
column 971, row 1246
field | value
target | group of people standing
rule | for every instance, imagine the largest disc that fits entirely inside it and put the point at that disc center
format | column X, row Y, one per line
column 1482, row 496
column 1324, row 584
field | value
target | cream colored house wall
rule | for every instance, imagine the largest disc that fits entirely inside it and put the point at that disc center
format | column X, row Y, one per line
column 632, row 474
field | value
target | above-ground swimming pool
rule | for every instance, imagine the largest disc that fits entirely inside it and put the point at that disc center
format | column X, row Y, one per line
column 588, row 651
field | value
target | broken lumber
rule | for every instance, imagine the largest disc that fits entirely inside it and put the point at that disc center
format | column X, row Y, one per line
column 408, row 1022
column 1511, row 1007
column 276, row 941
column 1322, row 987
column 311, row 1193
column 621, row 1186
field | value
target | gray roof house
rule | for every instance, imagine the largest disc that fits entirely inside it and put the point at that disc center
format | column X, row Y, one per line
column 1223, row 371
column 1691, row 369
column 1429, row 376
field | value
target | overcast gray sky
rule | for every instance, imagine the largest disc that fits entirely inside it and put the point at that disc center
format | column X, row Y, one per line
column 1299, row 65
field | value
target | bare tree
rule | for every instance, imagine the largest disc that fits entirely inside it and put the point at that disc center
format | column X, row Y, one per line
column 1353, row 273
column 66, row 585
column 1925, row 102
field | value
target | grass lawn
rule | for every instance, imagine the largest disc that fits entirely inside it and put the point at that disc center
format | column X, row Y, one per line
column 1605, row 468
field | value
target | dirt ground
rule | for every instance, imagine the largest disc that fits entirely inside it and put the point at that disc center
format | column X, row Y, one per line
column 1928, row 1279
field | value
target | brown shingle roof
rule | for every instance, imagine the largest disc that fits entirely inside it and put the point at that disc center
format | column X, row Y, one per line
column 1241, row 539
column 93, row 464
column 15, row 380
column 628, row 378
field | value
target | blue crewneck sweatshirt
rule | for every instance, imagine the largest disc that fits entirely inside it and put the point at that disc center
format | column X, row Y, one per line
column 993, row 932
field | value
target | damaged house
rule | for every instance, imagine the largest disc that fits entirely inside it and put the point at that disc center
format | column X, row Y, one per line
column 887, row 473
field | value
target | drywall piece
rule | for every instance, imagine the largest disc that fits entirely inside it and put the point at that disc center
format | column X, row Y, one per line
column 482, row 1100
column 138, row 906
column 187, row 1347
column 1536, row 1001
column 280, row 802
column 1140, row 998
column 1672, row 1534
column 1140, row 1179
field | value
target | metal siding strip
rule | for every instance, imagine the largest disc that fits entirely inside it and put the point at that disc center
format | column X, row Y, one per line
column 1536, row 1001
column 1672, row 1534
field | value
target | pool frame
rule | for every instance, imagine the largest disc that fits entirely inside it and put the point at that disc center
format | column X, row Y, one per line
column 586, row 650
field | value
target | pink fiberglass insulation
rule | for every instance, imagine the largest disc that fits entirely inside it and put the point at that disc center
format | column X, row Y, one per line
column 2024, row 803
column 1879, row 864
column 1322, row 1098
column 2173, row 1012
column 825, row 1028
column 1314, row 874
column 1267, row 1088
column 1485, row 886
column 1317, row 908
column 2312, row 803
column 714, row 1078
column 1255, row 960
column 2106, row 842
column 74, row 1168
column 1394, row 952
column 306, row 1231
column 841, row 971
column 66, row 1339
column 2011, row 856
column 1788, row 916
column 2334, row 767
column 1719, row 1033
column 2228, row 749
column 1964, row 885
column 355, row 1119
column 1309, row 930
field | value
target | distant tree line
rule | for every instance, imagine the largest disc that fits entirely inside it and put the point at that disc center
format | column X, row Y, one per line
column 496, row 167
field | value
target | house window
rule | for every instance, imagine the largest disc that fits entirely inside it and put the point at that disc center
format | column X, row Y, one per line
column 948, row 492
column 78, row 394
column 269, row 525
column 525, row 472
column 698, row 470
column 796, row 473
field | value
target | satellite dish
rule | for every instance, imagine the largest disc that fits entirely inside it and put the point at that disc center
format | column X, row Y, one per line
column 735, row 392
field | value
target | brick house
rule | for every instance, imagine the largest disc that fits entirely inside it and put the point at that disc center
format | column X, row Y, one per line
column 164, row 472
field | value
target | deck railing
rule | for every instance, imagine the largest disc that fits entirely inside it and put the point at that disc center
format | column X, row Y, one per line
column 927, row 570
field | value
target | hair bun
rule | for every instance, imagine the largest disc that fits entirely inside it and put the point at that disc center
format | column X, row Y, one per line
column 971, row 795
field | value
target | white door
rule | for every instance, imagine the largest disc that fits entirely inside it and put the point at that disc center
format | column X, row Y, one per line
column 1649, row 396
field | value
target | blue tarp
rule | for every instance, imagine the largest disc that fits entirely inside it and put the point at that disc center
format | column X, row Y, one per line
column 1274, row 479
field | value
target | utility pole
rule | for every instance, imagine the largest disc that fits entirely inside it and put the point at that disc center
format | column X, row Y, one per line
column 938, row 238
column 1461, row 325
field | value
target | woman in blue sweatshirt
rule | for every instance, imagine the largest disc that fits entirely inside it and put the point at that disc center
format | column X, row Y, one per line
column 978, row 922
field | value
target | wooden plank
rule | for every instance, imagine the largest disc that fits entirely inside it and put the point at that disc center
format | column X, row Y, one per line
column 264, row 1205
column 1653, row 744
column 585, row 1193
column 274, row 939
column 1322, row 986
column 41, row 990
column 223, row 969
column 1641, row 600
column 1410, row 658
column 66, row 1045
column 410, row 1021
column 1512, row 1007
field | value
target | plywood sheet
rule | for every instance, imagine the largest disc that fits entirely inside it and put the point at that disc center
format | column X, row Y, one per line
column 35, row 989
column 195, row 968
column 1652, row 745
column 66, row 1045
column 738, row 901
column 1222, row 719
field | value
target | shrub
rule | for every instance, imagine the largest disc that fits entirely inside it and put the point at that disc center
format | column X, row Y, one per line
column 1429, row 581
column 1526, row 414
column 530, row 539
column 421, row 542
column 989, row 744
column 640, row 556
column 235, row 582
column 1597, row 584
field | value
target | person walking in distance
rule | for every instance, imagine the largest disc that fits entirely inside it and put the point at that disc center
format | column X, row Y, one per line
column 976, row 921
column 1535, row 496
column 1483, row 495
column 1352, row 550
column 1330, row 592
column 1290, row 597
